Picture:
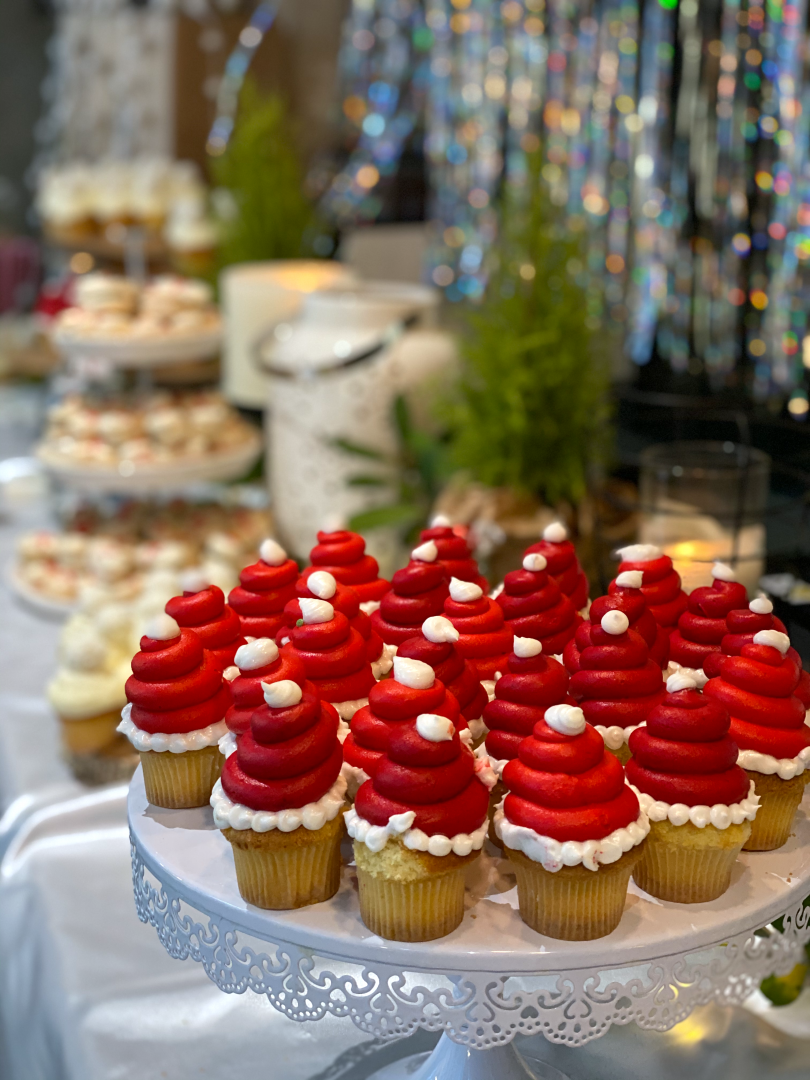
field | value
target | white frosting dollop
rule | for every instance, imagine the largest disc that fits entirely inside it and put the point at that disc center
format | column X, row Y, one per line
column 313, row 816
column 384, row 662
column 464, row 591
column 614, row 622
column 427, row 552
column 698, row 674
column 553, row 855
column 161, row 627
column 322, row 583
column 630, row 579
column 194, row 580
column 761, row 605
column 440, row 521
column 438, row 629
column 534, row 562
column 720, row 815
column 435, row 728
column 256, row 654
column 413, row 673
column 526, row 647
column 173, row 743
column 272, row 553
column 784, row 768
column 231, row 673
column 773, row 638
column 316, row 611
column 282, row 694
column 555, row 533
column 375, row 837
column 722, row 572
column 614, row 736
column 639, row 553
column 681, row 680
column 566, row 719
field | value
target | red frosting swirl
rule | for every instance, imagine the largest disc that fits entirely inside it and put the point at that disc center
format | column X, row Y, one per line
column 685, row 753
column 417, row 592
column 212, row 620
column 484, row 638
column 702, row 626
column 564, row 569
column 534, row 606
column 344, row 600
column 176, row 686
column 436, row 780
column 454, row 554
column 757, row 687
column 631, row 602
column 661, row 585
column 522, row 695
column 617, row 682
column 334, row 657
column 568, row 787
column 261, row 594
column 246, row 689
column 289, row 757
column 457, row 674
column 343, row 554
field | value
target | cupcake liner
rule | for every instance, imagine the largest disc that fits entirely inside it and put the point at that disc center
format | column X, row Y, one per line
column 573, row 904
column 176, row 781
column 90, row 735
column 779, row 801
column 495, row 798
column 114, row 764
column 279, row 871
column 687, row 865
column 408, row 895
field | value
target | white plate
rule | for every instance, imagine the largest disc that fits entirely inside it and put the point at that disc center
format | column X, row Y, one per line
column 36, row 601
column 121, row 351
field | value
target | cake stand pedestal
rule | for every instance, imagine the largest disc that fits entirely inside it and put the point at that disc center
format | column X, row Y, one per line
column 491, row 979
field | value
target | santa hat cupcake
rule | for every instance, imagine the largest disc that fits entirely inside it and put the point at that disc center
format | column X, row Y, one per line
column 624, row 595
column 202, row 608
column 257, row 662
column 767, row 724
column 563, row 564
column 661, row 582
column 414, row 689
column 175, row 716
column 263, row 590
column 343, row 554
column 534, row 606
column 702, row 627
column 617, row 683
column 417, row 592
column 437, row 646
column 416, row 826
column 453, row 552
column 280, row 797
column 484, row 637
column 572, row 828
column 333, row 654
column 699, row 801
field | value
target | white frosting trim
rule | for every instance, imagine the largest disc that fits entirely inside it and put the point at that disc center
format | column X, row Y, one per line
column 313, row 816
column 553, row 855
column 477, row 728
column 231, row 673
column 282, row 694
column 489, row 686
column 435, row 728
column 761, row 605
column 322, row 583
column 534, row 562
column 161, row 627
column 256, row 654
column 194, row 580
column 175, row 744
column 464, row 592
column 439, row 629
column 413, row 673
column 784, row 768
column 368, row 607
column 722, row 572
column 384, row 662
column 681, row 680
column 566, row 719
column 427, row 552
column 555, row 533
column 720, row 815
column 774, row 638
column 272, row 553
column 615, row 737
column 639, row 553
column 375, row 837
column 630, row 579
column 526, row 647
column 614, row 622
column 316, row 611
column 698, row 674
column 355, row 778
column 347, row 709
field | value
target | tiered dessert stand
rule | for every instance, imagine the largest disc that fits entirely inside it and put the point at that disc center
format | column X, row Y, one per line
column 491, row 979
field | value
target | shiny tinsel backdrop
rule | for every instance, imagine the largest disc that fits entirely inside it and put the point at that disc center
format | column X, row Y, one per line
column 674, row 135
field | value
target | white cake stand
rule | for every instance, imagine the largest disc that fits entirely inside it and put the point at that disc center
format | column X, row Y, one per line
column 129, row 352
column 491, row 979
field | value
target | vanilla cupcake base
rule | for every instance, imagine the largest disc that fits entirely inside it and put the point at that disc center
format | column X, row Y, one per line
column 779, row 801
column 179, row 781
column 90, row 735
column 689, row 865
column 410, row 895
column 280, row 871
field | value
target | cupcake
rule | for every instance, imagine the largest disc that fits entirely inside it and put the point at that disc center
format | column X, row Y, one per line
column 741, row 626
column 416, row 827
column 617, row 683
column 437, row 646
column 624, row 595
column 256, row 663
column 321, row 585
column 263, row 590
column 572, row 828
column 175, row 716
column 534, row 607
column 767, row 724
column 563, row 564
column 484, row 638
column 699, row 801
column 279, row 800
column 661, row 583
column 343, row 555
column 417, row 592
column 702, row 627
column 202, row 608
column 454, row 552
column 414, row 689
column 333, row 654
